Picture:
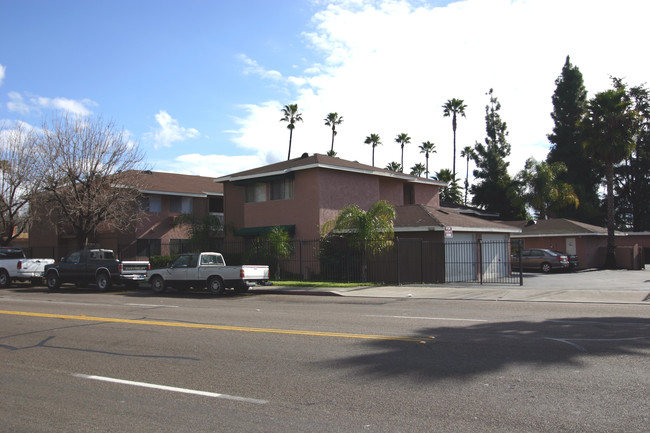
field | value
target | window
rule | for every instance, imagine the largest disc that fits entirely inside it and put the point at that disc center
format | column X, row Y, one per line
column 150, row 204
column 186, row 205
column 282, row 189
column 179, row 246
column 255, row 192
column 148, row 247
column 215, row 204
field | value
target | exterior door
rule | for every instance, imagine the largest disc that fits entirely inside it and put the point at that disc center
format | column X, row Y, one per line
column 570, row 246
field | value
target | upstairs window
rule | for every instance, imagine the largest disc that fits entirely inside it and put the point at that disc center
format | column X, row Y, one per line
column 282, row 189
column 150, row 204
column 255, row 192
column 215, row 204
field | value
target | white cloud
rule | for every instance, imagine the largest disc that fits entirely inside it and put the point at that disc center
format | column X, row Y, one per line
column 169, row 131
column 25, row 105
column 388, row 66
column 209, row 165
column 252, row 67
column 3, row 70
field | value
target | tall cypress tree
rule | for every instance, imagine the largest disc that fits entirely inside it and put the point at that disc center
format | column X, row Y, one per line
column 632, row 181
column 569, row 105
column 495, row 190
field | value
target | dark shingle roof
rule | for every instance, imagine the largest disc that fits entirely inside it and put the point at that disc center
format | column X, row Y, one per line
column 157, row 182
column 430, row 218
column 557, row 226
column 321, row 161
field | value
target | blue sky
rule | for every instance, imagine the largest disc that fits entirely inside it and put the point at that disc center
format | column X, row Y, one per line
column 200, row 84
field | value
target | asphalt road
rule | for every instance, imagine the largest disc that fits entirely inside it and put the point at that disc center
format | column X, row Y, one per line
column 80, row 361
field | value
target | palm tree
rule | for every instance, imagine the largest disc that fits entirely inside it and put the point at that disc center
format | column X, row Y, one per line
column 454, row 107
column 427, row 147
column 467, row 153
column 418, row 169
column 542, row 188
column 606, row 129
column 451, row 192
column 402, row 139
column 370, row 231
column 394, row 166
column 292, row 116
column 332, row 120
column 373, row 140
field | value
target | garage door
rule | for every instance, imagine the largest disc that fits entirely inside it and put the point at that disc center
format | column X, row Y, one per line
column 495, row 256
column 460, row 258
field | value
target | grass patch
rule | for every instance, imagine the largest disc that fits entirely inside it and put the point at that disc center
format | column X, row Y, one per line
column 317, row 284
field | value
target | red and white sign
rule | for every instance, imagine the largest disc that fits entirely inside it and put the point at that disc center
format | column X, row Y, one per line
column 449, row 232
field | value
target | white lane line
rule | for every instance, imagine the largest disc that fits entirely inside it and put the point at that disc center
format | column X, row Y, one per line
column 171, row 388
column 425, row 318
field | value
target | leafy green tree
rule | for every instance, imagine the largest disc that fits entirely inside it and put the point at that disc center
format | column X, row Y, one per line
column 584, row 174
column 427, row 148
column 450, row 193
column 453, row 108
column 374, row 141
column 632, row 178
column 280, row 246
column 332, row 120
column 369, row 231
column 543, row 190
column 394, row 166
column 467, row 153
column 418, row 169
column 291, row 116
column 607, row 130
column 402, row 139
column 495, row 190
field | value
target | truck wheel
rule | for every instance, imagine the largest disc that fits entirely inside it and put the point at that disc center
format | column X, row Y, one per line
column 241, row 288
column 215, row 286
column 4, row 279
column 103, row 281
column 158, row 284
column 53, row 281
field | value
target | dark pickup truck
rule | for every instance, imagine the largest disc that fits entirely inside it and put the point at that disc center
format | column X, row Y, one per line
column 94, row 266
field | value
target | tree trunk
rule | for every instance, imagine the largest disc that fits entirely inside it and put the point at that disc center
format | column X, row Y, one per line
column 610, row 259
column 290, row 137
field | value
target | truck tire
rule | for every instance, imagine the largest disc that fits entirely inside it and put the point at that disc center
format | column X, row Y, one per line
column 215, row 286
column 5, row 280
column 53, row 281
column 103, row 281
column 158, row 284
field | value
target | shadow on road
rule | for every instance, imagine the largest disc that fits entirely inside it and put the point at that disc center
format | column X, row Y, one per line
column 460, row 353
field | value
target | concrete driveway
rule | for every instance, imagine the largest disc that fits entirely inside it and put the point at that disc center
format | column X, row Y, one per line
column 606, row 286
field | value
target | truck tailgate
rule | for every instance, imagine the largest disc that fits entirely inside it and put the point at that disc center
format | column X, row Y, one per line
column 255, row 272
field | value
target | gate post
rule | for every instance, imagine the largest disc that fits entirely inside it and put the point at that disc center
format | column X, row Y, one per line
column 480, row 261
column 399, row 277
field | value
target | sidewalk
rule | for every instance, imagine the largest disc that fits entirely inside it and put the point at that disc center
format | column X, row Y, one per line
column 607, row 286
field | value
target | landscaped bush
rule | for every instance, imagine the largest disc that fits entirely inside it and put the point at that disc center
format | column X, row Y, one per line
column 162, row 261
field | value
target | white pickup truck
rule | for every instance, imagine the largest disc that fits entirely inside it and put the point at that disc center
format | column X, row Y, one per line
column 14, row 266
column 206, row 270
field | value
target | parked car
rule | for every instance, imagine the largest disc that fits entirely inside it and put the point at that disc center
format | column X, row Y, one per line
column 14, row 266
column 94, row 266
column 544, row 260
column 573, row 260
column 208, row 271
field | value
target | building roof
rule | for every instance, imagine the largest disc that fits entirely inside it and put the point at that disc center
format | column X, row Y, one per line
column 156, row 182
column 557, row 227
column 426, row 218
column 316, row 160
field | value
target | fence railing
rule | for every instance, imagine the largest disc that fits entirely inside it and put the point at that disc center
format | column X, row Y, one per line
column 404, row 261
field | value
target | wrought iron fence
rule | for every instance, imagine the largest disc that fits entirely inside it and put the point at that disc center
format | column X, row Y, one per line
column 405, row 261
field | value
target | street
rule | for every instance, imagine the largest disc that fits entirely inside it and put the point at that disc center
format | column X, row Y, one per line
column 80, row 361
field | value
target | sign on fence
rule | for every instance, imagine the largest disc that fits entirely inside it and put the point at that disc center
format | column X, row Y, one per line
column 449, row 232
